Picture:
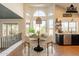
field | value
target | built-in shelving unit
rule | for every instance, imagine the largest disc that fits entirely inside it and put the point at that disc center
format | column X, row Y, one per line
column 58, row 25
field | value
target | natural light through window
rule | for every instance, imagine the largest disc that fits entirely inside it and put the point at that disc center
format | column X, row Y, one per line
column 39, row 13
column 50, row 25
column 64, row 26
column 69, row 26
column 42, row 27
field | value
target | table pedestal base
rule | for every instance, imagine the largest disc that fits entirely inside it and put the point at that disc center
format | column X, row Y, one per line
column 38, row 49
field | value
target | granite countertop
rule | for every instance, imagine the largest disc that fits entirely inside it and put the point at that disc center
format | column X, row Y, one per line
column 67, row 33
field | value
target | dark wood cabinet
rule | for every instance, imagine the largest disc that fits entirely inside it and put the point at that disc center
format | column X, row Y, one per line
column 75, row 39
column 59, row 39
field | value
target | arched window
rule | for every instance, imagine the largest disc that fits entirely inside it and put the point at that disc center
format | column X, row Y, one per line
column 39, row 13
column 32, row 27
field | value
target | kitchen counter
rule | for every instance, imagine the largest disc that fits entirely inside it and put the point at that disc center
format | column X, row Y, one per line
column 67, row 38
column 68, row 33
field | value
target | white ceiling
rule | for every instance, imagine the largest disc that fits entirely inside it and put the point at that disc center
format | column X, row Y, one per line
column 63, row 5
column 39, row 4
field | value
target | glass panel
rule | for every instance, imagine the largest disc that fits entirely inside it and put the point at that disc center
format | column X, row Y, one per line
column 27, row 29
column 72, row 26
column 9, row 32
column 43, row 27
column 4, row 29
column 14, row 29
column 65, row 26
column 10, row 29
column 50, row 23
column 39, row 13
column 40, row 27
column 69, row 26
column 50, row 31
column 36, row 26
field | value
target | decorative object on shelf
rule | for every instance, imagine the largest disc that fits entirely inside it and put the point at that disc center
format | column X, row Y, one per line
column 58, row 25
column 38, row 48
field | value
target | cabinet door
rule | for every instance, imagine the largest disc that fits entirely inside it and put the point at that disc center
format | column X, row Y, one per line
column 75, row 39
column 61, row 39
column 57, row 38
column 67, row 39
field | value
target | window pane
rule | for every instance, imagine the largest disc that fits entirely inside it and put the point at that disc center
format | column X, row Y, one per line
column 40, row 27
column 27, row 29
column 72, row 26
column 43, row 27
column 4, row 29
column 65, row 26
column 39, row 13
column 50, row 23
column 50, row 31
column 36, row 26
column 14, row 29
column 10, row 29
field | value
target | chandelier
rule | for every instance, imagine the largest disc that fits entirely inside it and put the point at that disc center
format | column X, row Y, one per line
column 71, row 9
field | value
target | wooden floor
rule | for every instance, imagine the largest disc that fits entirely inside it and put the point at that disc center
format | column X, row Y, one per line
column 59, row 50
column 1, row 50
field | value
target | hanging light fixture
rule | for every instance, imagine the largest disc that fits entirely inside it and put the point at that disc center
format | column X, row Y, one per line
column 71, row 9
column 38, row 20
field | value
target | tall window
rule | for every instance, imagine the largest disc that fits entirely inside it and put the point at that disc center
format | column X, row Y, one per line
column 27, row 28
column 50, row 25
column 42, row 26
column 31, row 26
column 64, row 26
column 73, row 26
column 10, row 29
column 39, row 13
column 69, row 26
